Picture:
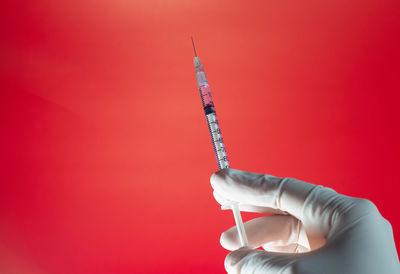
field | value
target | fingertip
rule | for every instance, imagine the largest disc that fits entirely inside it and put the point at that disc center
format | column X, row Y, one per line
column 229, row 240
column 213, row 179
column 233, row 258
column 217, row 176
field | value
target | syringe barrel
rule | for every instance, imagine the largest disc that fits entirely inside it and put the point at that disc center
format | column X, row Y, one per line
column 211, row 116
column 218, row 142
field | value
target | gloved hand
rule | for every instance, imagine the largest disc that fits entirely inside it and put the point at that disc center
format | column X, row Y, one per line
column 314, row 229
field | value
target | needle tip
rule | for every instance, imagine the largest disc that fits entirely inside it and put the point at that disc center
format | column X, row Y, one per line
column 194, row 48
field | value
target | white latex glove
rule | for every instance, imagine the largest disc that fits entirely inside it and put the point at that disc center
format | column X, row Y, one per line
column 333, row 233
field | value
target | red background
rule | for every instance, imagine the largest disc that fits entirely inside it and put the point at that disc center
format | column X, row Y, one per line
column 105, row 153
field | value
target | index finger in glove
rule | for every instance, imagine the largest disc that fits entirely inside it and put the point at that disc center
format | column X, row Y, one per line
column 264, row 190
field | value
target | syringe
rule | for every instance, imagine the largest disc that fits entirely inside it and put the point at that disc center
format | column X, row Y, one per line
column 216, row 137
